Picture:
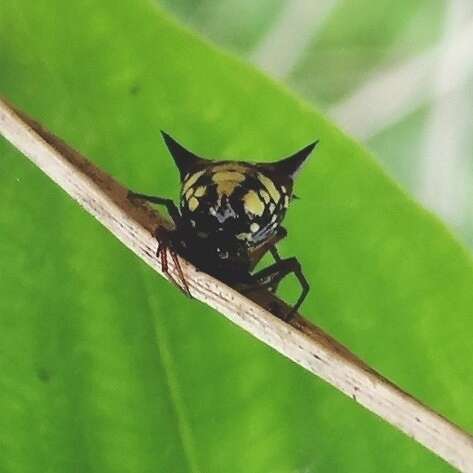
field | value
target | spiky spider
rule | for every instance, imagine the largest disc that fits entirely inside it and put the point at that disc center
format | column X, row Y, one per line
column 229, row 217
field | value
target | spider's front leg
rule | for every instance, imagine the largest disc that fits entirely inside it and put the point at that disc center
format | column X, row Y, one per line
column 270, row 277
column 171, row 207
column 165, row 238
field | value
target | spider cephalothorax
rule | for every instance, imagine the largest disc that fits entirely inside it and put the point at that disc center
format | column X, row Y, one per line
column 230, row 215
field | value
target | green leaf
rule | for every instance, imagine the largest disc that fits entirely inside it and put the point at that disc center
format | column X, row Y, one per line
column 105, row 367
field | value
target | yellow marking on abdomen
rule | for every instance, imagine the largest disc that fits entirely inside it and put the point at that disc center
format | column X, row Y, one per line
column 193, row 204
column 254, row 227
column 200, row 191
column 253, row 203
column 228, row 176
column 225, row 188
column 265, row 196
column 270, row 187
column 227, row 181
column 191, row 181
column 244, row 236
column 189, row 193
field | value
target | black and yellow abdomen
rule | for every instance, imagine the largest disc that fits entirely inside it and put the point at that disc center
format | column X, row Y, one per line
column 228, row 200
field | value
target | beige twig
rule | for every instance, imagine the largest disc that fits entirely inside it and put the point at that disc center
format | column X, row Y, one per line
column 300, row 341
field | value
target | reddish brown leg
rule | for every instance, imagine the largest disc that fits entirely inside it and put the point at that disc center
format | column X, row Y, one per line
column 162, row 254
column 164, row 239
column 186, row 289
column 164, row 245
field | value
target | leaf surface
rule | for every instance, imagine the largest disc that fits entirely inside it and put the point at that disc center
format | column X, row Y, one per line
column 104, row 367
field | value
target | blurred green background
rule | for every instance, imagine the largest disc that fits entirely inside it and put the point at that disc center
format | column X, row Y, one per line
column 396, row 75
column 105, row 367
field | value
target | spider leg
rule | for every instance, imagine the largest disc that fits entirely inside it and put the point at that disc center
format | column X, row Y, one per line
column 270, row 277
column 162, row 254
column 270, row 244
column 164, row 245
column 177, row 264
column 171, row 207
column 274, row 252
column 164, row 239
column 272, row 286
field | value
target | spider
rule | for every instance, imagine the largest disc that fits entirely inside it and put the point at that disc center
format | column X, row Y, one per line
column 229, row 217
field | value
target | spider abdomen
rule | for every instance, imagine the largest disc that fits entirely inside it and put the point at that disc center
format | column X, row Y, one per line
column 234, row 199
